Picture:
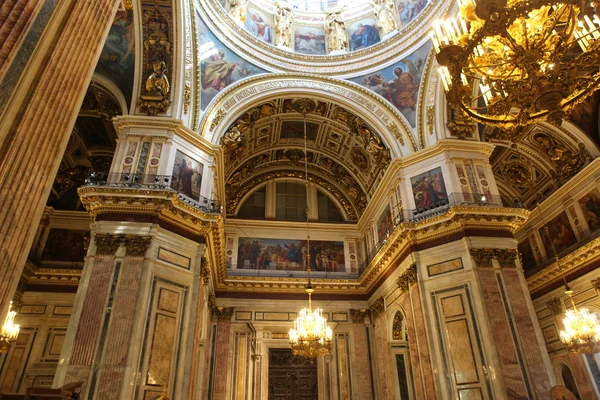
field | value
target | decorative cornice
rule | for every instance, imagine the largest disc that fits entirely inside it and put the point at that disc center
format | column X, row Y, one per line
column 377, row 308
column 358, row 316
column 408, row 278
column 32, row 275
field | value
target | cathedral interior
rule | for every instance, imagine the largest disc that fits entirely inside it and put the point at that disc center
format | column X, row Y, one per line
column 179, row 179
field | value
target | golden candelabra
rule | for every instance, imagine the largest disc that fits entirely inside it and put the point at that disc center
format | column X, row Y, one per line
column 510, row 63
column 10, row 330
column 581, row 333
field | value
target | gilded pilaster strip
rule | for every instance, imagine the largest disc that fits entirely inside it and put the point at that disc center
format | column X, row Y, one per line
column 408, row 278
column 204, row 270
column 377, row 308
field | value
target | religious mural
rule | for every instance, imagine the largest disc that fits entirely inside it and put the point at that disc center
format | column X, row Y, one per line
column 309, row 40
column 527, row 256
column 219, row 66
column 384, row 224
column 65, row 245
column 363, row 34
column 290, row 255
column 259, row 24
column 409, row 9
column 585, row 115
column 295, row 130
column 429, row 190
column 590, row 205
column 187, row 175
column 399, row 83
column 561, row 235
column 117, row 59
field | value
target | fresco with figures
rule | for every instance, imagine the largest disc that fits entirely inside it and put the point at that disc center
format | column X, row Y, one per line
column 527, row 256
column 590, row 205
column 400, row 82
column 117, row 59
column 290, row 255
column 259, row 24
column 561, row 235
column 363, row 34
column 429, row 190
column 409, row 9
column 309, row 40
column 384, row 224
column 219, row 66
column 65, row 245
column 187, row 175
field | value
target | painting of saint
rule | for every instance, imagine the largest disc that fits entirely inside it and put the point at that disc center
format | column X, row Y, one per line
column 363, row 34
column 561, row 235
column 187, row 176
column 399, row 83
column 527, row 257
column 429, row 190
column 590, row 205
column 384, row 224
column 65, row 245
column 409, row 9
column 117, row 59
column 259, row 25
column 295, row 130
column 309, row 40
column 290, row 255
column 219, row 67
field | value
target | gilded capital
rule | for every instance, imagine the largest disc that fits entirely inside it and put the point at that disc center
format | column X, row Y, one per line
column 137, row 245
column 223, row 314
column 377, row 308
column 483, row 257
column 358, row 316
column 408, row 278
column 506, row 258
column 204, row 270
column 107, row 244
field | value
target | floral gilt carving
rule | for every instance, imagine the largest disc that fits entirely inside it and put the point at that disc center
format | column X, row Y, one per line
column 408, row 278
column 377, row 308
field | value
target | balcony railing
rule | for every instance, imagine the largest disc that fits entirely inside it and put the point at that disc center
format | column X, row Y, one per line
column 151, row 181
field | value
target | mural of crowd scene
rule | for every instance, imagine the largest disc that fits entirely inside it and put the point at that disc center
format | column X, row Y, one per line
column 429, row 190
column 590, row 205
column 219, row 66
column 309, row 40
column 117, row 59
column 295, row 130
column 259, row 24
column 409, row 9
column 65, row 245
column 187, row 175
column 561, row 235
column 527, row 257
column 363, row 34
column 290, row 255
column 384, row 224
column 399, row 83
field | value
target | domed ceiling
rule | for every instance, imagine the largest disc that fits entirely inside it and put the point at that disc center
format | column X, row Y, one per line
column 347, row 159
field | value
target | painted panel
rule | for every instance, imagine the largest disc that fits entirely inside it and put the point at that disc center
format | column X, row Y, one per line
column 409, row 9
column 309, row 40
column 561, row 235
column 384, row 224
column 65, row 245
column 429, row 189
column 187, row 175
column 527, row 256
column 363, row 34
column 259, row 24
column 590, row 205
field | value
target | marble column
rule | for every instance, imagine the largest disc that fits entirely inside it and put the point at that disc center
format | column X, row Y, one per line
column 222, row 363
column 35, row 129
column 382, row 357
column 199, row 361
column 361, row 365
column 112, row 368
column 93, row 310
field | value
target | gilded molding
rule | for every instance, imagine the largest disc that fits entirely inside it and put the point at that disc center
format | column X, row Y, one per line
column 408, row 278
column 555, row 305
column 377, row 308
column 358, row 316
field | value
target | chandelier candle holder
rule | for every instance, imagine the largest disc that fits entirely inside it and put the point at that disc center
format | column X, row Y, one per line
column 10, row 330
column 581, row 332
column 510, row 63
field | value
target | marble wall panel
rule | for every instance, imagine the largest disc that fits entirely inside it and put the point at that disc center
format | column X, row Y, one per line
column 342, row 355
column 360, row 364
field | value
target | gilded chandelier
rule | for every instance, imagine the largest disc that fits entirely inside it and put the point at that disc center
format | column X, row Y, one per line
column 10, row 330
column 581, row 332
column 509, row 63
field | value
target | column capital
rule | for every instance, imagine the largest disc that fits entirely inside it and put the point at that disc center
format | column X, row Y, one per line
column 358, row 316
column 204, row 270
column 137, row 245
column 107, row 244
column 408, row 278
column 377, row 308
column 224, row 314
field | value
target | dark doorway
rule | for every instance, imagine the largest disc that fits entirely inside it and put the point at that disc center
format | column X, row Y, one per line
column 291, row 377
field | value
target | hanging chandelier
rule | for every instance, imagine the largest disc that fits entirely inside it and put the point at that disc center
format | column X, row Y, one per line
column 581, row 332
column 510, row 63
column 10, row 330
column 310, row 337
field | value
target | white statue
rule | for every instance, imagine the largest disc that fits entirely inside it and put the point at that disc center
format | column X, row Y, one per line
column 335, row 27
column 237, row 9
column 386, row 16
column 284, row 18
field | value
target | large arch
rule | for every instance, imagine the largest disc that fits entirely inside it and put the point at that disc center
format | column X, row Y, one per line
column 231, row 103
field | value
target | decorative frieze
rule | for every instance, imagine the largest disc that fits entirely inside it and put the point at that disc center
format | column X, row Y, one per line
column 358, row 316
column 377, row 308
column 408, row 278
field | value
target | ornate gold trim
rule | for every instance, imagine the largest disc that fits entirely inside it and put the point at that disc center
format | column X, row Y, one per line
column 377, row 308
column 358, row 316
column 408, row 278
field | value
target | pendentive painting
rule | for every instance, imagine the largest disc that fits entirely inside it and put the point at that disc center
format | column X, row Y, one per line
column 309, row 40
column 259, row 24
column 65, row 245
column 561, row 235
column 290, row 255
column 117, row 58
column 219, row 66
column 429, row 190
column 384, row 224
column 187, row 175
column 363, row 34
column 590, row 205
column 527, row 256
column 399, row 83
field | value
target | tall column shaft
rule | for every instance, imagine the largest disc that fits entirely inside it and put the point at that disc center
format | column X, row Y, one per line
column 38, row 133
column 221, row 360
column 361, row 362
